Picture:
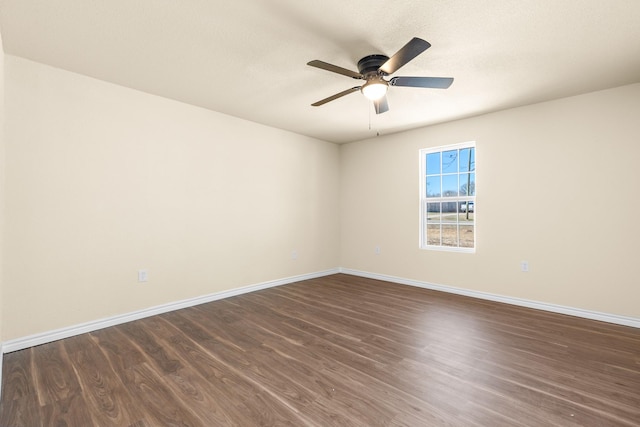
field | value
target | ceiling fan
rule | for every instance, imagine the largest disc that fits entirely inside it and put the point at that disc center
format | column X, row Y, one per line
column 373, row 69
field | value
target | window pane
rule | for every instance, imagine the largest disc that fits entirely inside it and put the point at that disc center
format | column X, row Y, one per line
column 467, row 159
column 433, row 234
column 466, row 236
column 472, row 184
column 433, row 163
column 449, row 235
column 450, row 186
column 433, row 212
column 467, row 184
column 450, row 212
column 464, row 216
column 450, row 161
column 433, row 186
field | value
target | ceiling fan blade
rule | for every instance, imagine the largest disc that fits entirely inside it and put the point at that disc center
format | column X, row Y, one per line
column 381, row 105
column 428, row 82
column 409, row 51
column 334, row 68
column 336, row 96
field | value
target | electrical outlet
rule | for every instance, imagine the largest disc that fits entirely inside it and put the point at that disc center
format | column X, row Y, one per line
column 524, row 266
column 294, row 255
column 143, row 276
column 377, row 250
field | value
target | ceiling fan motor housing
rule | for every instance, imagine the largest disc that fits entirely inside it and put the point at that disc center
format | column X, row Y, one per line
column 369, row 65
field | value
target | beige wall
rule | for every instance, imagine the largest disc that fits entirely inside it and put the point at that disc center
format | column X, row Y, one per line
column 102, row 181
column 557, row 186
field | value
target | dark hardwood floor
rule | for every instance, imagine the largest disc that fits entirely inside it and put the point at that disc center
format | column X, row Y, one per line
column 339, row 350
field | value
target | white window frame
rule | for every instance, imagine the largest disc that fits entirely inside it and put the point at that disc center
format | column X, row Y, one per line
column 458, row 199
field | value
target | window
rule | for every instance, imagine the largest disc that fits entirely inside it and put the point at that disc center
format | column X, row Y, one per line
column 447, row 197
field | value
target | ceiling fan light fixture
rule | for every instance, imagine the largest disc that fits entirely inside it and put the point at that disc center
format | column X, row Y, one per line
column 375, row 89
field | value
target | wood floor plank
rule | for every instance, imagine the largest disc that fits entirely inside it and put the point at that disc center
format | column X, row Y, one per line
column 54, row 374
column 102, row 389
column 72, row 410
column 333, row 351
column 290, row 396
column 143, row 386
column 218, row 378
column 19, row 406
column 159, row 401
column 200, row 395
column 241, row 379
column 58, row 389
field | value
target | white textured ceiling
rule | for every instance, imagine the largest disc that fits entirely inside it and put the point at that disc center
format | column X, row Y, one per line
column 247, row 58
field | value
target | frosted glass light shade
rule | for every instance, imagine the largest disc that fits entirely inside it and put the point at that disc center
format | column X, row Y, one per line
column 374, row 89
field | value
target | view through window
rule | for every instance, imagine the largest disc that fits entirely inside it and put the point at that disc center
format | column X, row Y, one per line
column 447, row 197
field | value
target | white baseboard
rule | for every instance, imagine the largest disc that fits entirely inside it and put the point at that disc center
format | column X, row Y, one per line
column 571, row 311
column 58, row 334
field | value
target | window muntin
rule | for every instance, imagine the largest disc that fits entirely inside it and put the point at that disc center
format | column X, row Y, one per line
column 447, row 197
